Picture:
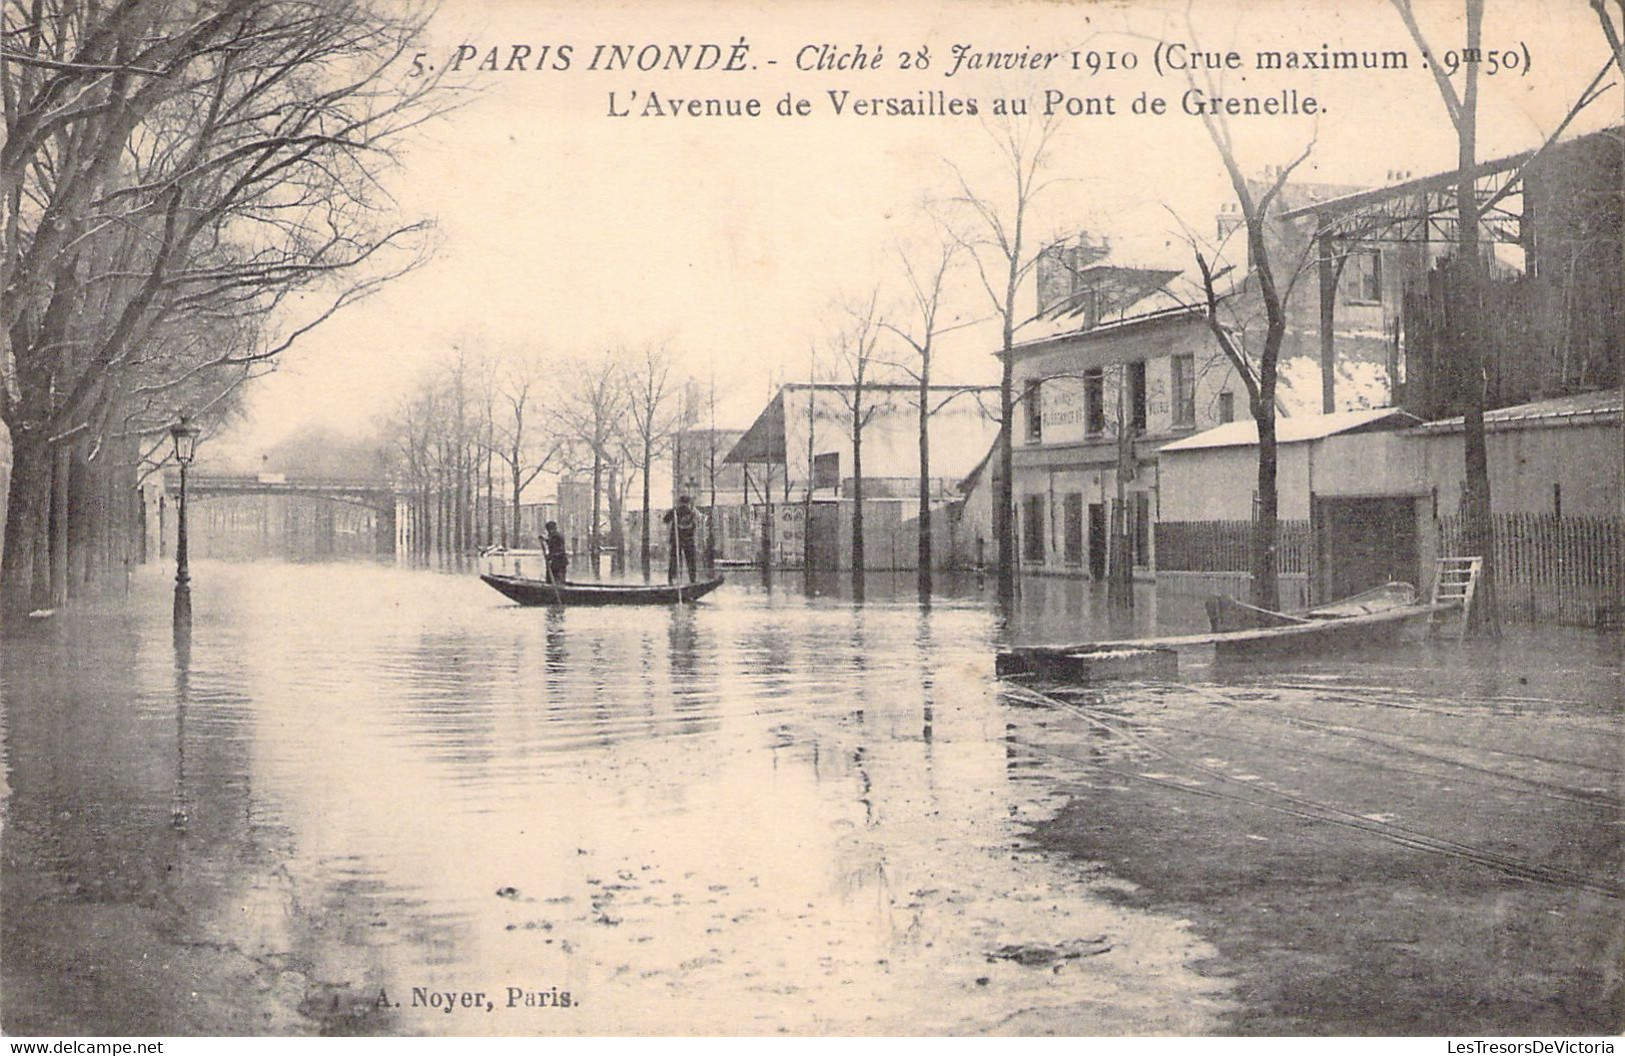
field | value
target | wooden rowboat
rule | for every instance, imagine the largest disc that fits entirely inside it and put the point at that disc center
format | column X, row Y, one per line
column 541, row 592
column 1363, row 620
column 1228, row 614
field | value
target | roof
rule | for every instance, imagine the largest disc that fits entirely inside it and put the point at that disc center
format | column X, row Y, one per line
column 764, row 440
column 1439, row 180
column 974, row 477
column 1560, row 410
column 1175, row 313
column 1294, row 430
column 1130, row 284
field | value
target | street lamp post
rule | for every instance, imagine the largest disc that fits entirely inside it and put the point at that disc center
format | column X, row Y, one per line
column 185, row 435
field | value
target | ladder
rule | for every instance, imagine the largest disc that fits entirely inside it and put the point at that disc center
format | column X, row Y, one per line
column 1455, row 580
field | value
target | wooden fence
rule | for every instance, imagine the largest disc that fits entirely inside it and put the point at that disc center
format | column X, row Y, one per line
column 1567, row 569
column 1224, row 546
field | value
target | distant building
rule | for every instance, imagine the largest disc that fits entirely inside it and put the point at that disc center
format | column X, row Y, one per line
column 1124, row 364
column 1552, row 321
column 1366, row 290
column 797, row 461
column 573, row 511
column 718, row 487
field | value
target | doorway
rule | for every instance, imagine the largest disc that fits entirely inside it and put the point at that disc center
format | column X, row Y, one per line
column 1074, row 529
column 1364, row 543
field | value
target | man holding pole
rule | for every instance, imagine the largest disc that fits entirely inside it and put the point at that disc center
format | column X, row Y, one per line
column 684, row 521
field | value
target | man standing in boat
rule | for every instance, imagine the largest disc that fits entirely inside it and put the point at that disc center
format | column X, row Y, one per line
column 557, row 560
column 685, row 521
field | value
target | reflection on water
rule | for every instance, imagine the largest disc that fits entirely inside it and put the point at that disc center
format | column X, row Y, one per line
column 359, row 790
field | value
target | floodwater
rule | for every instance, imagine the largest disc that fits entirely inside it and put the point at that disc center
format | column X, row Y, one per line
column 373, row 800
column 376, row 800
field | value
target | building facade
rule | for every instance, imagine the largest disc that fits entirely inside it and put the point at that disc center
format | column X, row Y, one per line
column 1094, row 407
column 1368, row 497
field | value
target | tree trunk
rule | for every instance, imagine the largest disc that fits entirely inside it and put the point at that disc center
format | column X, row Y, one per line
column 643, row 540
column 711, row 509
column 518, row 489
column 61, row 465
column 24, row 577
column 1476, row 528
column 597, row 511
column 1119, row 562
column 465, row 500
column 84, row 520
column 1003, row 478
column 1266, row 585
column 490, row 491
column 922, row 576
column 617, row 521
column 859, row 558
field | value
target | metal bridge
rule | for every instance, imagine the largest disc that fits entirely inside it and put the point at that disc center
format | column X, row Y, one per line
column 291, row 527
column 373, row 494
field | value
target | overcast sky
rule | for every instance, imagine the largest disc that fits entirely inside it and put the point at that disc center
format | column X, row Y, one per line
column 563, row 229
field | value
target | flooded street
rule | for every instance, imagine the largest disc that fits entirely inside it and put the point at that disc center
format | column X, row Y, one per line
column 761, row 813
column 374, row 800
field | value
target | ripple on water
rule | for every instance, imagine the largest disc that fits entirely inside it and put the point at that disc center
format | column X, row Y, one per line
column 757, row 814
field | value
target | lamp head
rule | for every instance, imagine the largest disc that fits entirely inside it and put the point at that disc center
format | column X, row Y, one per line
column 185, row 435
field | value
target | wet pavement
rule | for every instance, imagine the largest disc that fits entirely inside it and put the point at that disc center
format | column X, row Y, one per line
column 377, row 800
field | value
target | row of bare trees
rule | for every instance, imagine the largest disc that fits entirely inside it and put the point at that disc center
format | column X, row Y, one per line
column 188, row 188
column 483, row 427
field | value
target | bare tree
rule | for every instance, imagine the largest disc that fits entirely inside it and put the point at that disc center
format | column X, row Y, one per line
column 852, row 346
column 1468, row 381
column 999, row 246
column 521, row 438
column 925, row 287
column 812, row 466
column 711, row 453
column 649, row 398
column 414, row 429
column 1259, row 374
column 592, row 405
column 180, row 165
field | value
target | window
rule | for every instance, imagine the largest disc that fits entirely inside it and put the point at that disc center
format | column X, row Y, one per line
column 827, row 470
column 1136, row 397
column 1094, row 399
column 1184, row 379
column 1362, row 277
column 1033, row 397
column 1032, row 528
column 1227, row 407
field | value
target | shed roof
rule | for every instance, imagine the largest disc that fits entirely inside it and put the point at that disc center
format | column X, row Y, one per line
column 1560, row 410
column 1294, row 430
